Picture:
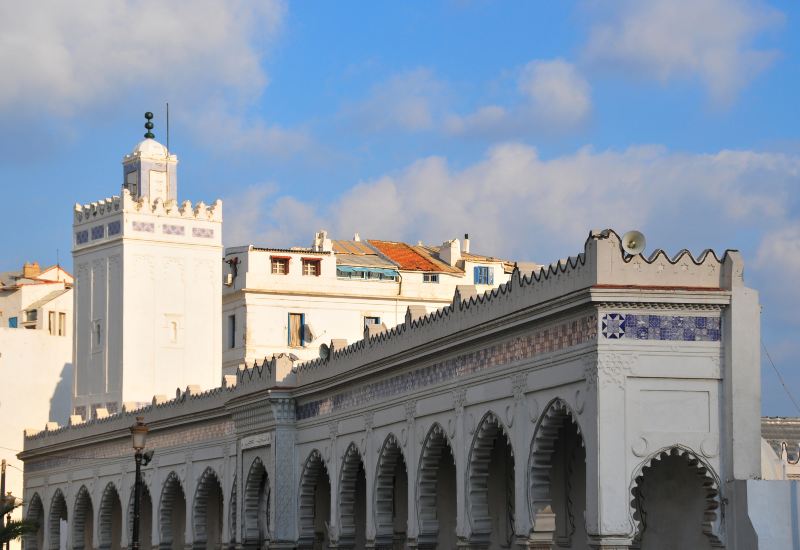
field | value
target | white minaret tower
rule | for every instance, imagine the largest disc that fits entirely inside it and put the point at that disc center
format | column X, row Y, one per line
column 147, row 288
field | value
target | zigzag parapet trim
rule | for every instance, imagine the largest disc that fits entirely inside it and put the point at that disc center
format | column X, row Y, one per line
column 113, row 205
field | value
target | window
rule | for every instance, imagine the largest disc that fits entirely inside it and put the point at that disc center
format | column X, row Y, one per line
column 97, row 335
column 311, row 266
column 231, row 331
column 62, row 324
column 12, row 322
column 31, row 315
column 51, row 322
column 371, row 321
column 280, row 265
column 430, row 277
column 483, row 275
column 296, row 322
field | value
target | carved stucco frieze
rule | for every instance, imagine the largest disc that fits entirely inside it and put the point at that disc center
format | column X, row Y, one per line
column 609, row 369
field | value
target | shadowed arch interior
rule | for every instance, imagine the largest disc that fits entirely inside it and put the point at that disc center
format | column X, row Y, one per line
column 491, row 484
column 352, row 500
column 207, row 514
column 58, row 512
column 35, row 513
column 110, row 528
column 314, row 502
column 391, row 496
column 83, row 521
column 172, row 513
column 256, row 505
column 145, row 517
column 436, row 492
column 676, row 487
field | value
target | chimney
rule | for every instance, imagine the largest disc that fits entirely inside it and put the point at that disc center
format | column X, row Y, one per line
column 465, row 247
column 357, row 237
column 31, row 270
column 450, row 252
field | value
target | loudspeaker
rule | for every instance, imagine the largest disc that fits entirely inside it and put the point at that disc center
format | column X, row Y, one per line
column 633, row 242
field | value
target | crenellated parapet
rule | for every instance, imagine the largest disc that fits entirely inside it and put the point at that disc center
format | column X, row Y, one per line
column 110, row 206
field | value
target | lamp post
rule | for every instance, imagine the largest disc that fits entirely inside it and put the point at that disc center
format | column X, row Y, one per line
column 139, row 436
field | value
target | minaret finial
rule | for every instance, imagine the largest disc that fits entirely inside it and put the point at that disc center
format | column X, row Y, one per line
column 149, row 125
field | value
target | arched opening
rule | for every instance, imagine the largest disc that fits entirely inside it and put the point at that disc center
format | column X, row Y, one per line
column 256, row 506
column 233, row 518
column 208, row 511
column 557, row 489
column 35, row 513
column 110, row 528
column 83, row 521
column 145, row 517
column 352, row 500
column 172, row 514
column 58, row 516
column 391, row 497
column 676, row 488
column 315, row 504
column 436, row 492
column 491, row 486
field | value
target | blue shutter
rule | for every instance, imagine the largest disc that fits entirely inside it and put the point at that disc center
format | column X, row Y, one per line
column 12, row 322
column 476, row 274
column 302, row 329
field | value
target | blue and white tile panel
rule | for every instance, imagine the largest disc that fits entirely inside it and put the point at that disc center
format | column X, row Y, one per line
column 82, row 237
column 146, row 227
column 683, row 328
column 202, row 232
column 115, row 228
column 169, row 229
column 554, row 338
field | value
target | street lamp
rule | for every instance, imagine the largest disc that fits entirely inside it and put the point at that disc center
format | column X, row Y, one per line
column 139, row 436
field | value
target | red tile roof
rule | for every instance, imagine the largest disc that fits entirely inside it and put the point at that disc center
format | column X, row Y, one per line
column 408, row 258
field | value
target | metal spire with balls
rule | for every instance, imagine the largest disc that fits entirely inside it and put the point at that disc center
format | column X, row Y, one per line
column 149, row 125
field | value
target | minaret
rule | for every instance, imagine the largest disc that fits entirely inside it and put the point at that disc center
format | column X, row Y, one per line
column 148, row 288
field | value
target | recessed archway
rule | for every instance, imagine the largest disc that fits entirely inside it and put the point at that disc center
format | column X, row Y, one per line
column 172, row 513
column 208, row 508
column 110, row 520
column 491, row 485
column 35, row 513
column 315, row 503
column 83, row 521
column 145, row 517
column 557, row 478
column 391, row 496
column 675, row 487
column 58, row 514
column 352, row 500
column 256, row 506
column 436, row 492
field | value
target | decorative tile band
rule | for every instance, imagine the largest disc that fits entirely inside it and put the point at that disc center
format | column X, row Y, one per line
column 146, row 227
column 547, row 340
column 98, row 232
column 82, row 237
column 202, row 232
column 169, row 229
column 661, row 327
column 114, row 228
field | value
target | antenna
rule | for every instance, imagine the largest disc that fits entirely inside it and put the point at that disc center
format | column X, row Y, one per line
column 58, row 260
column 167, row 125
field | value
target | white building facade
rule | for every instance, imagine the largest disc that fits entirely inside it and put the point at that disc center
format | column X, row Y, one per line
column 148, row 289
column 606, row 402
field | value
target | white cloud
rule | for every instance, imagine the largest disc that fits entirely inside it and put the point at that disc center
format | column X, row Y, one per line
column 62, row 57
column 408, row 101
column 711, row 40
column 554, row 98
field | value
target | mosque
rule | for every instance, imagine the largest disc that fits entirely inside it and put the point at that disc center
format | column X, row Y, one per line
column 606, row 401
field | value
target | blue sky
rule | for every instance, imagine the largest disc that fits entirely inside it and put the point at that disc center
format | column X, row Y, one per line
column 522, row 123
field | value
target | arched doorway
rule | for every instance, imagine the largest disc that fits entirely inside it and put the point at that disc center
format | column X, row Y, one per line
column 352, row 500
column 675, row 487
column 491, row 485
column 557, row 479
column 83, row 521
column 436, row 492
column 391, row 497
column 256, row 506
column 110, row 528
column 58, row 514
column 145, row 517
column 315, row 504
column 35, row 513
column 208, row 507
column 172, row 513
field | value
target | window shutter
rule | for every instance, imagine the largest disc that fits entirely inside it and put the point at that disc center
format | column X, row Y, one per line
column 302, row 328
column 476, row 274
column 490, row 276
column 289, row 329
